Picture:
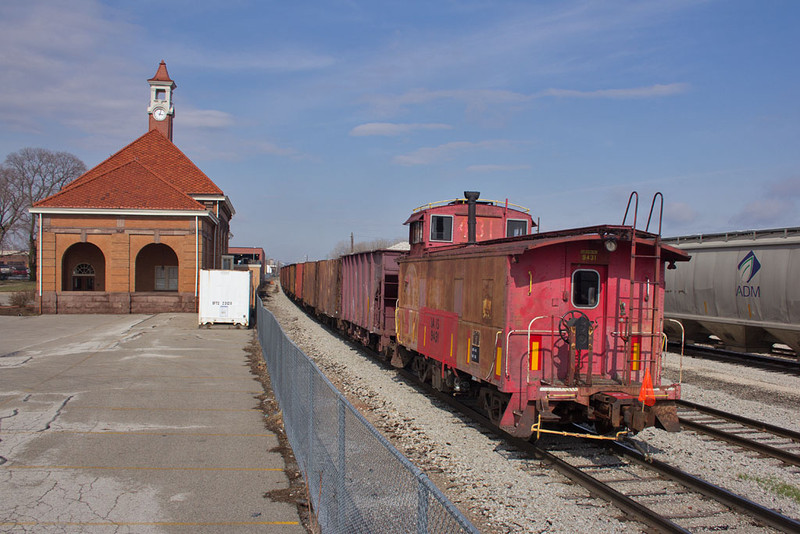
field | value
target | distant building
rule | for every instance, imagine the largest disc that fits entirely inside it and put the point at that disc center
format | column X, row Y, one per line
column 13, row 263
column 131, row 234
column 250, row 256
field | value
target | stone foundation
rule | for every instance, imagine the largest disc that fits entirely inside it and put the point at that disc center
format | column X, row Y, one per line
column 117, row 303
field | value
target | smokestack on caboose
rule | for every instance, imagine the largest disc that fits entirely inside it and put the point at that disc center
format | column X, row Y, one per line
column 472, row 199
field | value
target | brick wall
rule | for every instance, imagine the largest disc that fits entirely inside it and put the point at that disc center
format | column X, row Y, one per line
column 117, row 303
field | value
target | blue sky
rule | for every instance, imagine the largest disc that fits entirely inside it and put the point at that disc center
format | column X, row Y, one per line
column 319, row 119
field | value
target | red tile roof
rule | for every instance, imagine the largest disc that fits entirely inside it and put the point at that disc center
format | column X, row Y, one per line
column 158, row 153
column 131, row 185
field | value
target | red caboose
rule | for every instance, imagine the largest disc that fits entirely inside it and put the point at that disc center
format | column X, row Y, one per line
column 553, row 327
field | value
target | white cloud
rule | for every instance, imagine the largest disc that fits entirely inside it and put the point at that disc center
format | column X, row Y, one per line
column 61, row 62
column 429, row 155
column 497, row 168
column 276, row 61
column 777, row 207
column 763, row 213
column 651, row 91
column 392, row 104
column 391, row 129
column 267, row 147
column 205, row 118
column 789, row 187
column 679, row 213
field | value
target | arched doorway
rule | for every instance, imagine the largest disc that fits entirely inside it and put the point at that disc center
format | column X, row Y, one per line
column 156, row 268
column 83, row 268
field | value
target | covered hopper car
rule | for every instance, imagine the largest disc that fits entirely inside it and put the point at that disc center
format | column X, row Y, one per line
column 541, row 329
column 741, row 287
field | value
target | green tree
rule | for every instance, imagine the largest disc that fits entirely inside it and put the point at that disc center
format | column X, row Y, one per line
column 35, row 174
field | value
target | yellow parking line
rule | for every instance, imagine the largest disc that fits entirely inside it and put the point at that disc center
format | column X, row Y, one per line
column 142, row 523
column 137, row 433
column 139, row 468
column 178, row 377
column 136, row 408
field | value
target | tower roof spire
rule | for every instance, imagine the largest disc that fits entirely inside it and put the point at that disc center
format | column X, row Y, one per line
column 161, row 74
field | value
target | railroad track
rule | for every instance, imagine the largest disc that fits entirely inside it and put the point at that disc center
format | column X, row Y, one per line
column 661, row 496
column 790, row 365
column 765, row 439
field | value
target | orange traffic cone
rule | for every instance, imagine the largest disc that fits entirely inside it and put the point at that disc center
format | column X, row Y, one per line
column 646, row 394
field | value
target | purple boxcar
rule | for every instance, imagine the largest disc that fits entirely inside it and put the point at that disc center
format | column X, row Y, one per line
column 369, row 297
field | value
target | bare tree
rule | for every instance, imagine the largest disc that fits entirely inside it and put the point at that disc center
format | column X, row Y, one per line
column 11, row 207
column 35, row 174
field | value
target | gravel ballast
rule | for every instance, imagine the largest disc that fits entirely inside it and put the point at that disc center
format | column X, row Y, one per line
column 502, row 493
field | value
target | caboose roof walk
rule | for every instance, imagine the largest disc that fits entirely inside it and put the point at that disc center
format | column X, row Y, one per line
column 519, row 244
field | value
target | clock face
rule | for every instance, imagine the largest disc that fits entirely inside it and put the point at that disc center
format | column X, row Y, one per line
column 159, row 114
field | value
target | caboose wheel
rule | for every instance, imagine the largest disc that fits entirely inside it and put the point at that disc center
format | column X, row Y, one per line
column 563, row 324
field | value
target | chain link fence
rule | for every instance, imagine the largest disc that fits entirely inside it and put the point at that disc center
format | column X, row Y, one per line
column 357, row 481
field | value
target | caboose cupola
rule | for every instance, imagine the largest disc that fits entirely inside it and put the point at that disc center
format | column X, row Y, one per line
column 466, row 220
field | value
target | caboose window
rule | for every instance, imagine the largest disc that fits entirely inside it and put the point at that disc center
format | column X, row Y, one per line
column 515, row 227
column 585, row 288
column 441, row 228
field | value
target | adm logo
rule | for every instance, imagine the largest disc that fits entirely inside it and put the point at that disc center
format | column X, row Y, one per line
column 748, row 268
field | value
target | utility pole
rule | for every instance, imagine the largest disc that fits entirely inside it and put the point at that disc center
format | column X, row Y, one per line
column 352, row 245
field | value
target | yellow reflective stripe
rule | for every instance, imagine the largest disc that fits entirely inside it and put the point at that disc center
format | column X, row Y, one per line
column 499, row 361
column 534, row 355
column 635, row 356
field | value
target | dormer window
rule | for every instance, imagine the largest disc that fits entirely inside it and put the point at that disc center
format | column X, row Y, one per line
column 161, row 94
column 442, row 228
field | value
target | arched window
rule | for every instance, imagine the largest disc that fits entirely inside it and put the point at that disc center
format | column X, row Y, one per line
column 83, row 277
column 83, row 268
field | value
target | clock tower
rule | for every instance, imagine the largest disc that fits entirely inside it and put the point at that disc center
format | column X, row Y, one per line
column 161, row 110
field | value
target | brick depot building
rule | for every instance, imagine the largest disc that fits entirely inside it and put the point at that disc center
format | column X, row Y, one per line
column 131, row 234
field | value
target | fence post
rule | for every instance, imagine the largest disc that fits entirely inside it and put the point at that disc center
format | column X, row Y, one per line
column 422, row 507
column 311, row 474
column 340, row 477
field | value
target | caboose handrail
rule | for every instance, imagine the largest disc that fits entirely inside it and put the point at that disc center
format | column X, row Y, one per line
column 683, row 341
column 635, row 209
column 660, row 212
column 528, row 332
column 481, row 201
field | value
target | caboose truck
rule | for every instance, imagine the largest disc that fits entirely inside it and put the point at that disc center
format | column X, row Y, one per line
column 542, row 329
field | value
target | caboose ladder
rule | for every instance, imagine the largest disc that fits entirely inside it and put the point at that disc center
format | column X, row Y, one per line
column 639, row 316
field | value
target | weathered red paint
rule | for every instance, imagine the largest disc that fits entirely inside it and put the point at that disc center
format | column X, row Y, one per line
column 437, row 335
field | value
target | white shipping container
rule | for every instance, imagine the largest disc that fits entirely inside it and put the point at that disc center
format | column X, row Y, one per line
column 224, row 297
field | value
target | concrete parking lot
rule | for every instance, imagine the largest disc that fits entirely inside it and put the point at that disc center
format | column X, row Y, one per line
column 133, row 423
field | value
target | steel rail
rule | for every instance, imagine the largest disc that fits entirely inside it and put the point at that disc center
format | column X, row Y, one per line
column 731, row 437
column 600, row 489
column 766, row 427
column 759, row 361
column 635, row 510
column 761, row 513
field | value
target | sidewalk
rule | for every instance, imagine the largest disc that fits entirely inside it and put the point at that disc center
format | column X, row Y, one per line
column 134, row 423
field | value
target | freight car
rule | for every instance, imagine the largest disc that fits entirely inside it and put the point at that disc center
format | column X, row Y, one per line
column 542, row 329
column 741, row 287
